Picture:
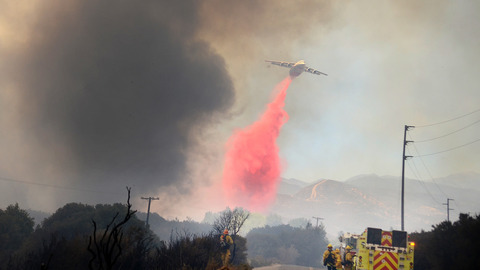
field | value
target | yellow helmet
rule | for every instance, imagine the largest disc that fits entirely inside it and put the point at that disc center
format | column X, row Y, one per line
column 348, row 247
column 329, row 246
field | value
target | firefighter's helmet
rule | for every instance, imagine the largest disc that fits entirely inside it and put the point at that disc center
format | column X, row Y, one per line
column 225, row 232
column 348, row 247
column 329, row 246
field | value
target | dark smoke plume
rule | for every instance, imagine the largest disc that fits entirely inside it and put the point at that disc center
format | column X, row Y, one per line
column 118, row 88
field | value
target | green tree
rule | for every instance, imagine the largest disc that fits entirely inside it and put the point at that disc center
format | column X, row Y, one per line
column 286, row 244
column 298, row 222
column 16, row 226
column 274, row 220
column 70, row 220
column 449, row 245
column 288, row 255
column 62, row 239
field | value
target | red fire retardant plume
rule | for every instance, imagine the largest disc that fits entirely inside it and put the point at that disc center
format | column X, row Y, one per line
column 252, row 164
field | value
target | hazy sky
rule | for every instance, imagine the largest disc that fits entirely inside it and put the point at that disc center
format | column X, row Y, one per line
column 95, row 96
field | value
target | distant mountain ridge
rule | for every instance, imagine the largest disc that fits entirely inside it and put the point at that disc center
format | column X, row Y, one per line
column 290, row 186
column 469, row 180
column 375, row 201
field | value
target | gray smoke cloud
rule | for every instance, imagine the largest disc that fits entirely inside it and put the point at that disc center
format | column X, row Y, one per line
column 108, row 94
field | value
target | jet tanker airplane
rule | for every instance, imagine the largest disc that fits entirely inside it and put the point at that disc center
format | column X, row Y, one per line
column 296, row 68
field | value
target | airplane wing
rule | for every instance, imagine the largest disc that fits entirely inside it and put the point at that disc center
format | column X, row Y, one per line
column 282, row 64
column 314, row 71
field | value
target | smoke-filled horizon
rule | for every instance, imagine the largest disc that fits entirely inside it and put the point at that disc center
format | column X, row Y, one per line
column 96, row 96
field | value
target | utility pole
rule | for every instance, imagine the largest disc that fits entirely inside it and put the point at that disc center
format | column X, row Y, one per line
column 448, row 208
column 405, row 142
column 149, row 202
column 317, row 218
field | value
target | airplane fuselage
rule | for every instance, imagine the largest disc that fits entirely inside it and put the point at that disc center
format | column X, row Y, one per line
column 297, row 69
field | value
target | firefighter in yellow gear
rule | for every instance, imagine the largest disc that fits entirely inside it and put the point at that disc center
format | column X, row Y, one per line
column 225, row 242
column 348, row 259
column 338, row 260
column 329, row 258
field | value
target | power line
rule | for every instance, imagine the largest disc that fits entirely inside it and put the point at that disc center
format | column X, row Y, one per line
column 438, row 137
column 450, row 149
column 446, row 121
column 427, row 140
column 428, row 171
column 422, row 182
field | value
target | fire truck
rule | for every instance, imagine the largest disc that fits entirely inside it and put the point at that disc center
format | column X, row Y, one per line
column 376, row 249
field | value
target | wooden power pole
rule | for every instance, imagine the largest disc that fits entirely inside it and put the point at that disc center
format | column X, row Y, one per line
column 149, row 202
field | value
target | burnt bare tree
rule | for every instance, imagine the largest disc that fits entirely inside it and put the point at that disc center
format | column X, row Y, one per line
column 231, row 220
column 105, row 246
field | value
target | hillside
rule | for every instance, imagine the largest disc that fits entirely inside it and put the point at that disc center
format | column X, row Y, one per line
column 374, row 201
column 290, row 186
